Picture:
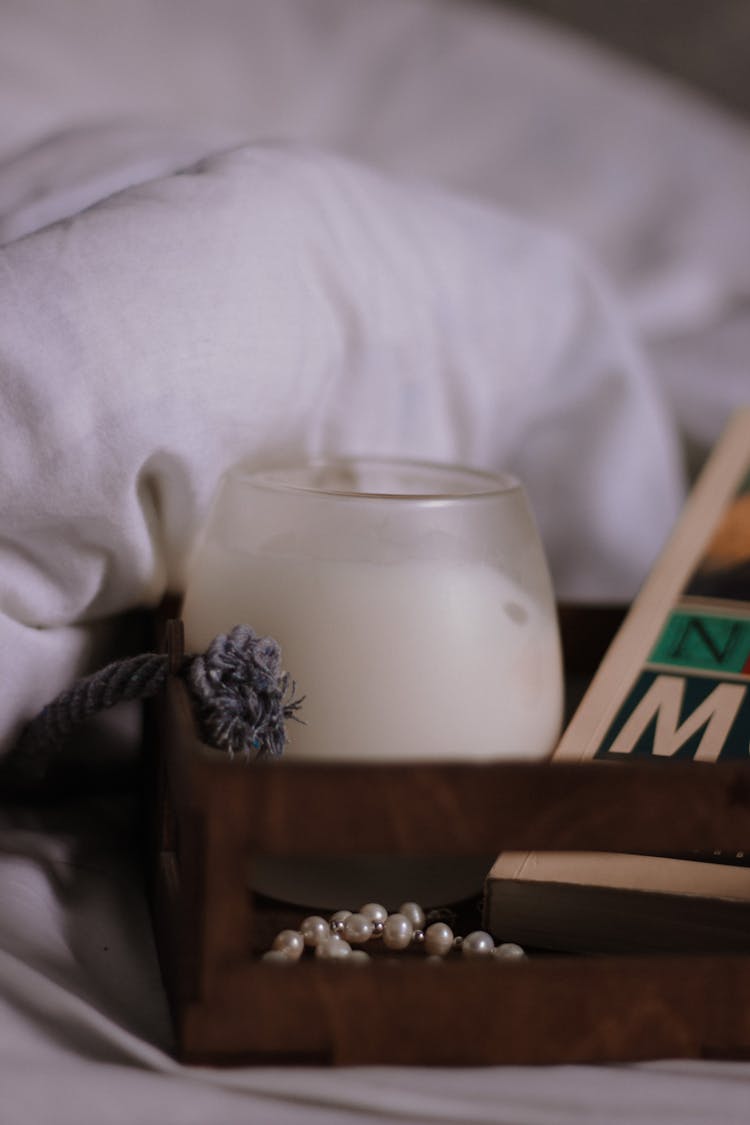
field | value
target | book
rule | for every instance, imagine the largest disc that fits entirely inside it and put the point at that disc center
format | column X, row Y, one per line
column 673, row 685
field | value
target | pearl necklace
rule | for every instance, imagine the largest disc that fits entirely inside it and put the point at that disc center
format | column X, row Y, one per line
column 333, row 938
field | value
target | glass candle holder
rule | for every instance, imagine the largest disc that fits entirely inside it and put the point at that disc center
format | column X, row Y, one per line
column 413, row 606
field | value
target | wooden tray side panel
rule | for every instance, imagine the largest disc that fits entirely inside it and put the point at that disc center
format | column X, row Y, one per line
column 454, row 809
column 212, row 816
column 547, row 1011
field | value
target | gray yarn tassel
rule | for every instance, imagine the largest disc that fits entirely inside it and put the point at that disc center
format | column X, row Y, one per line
column 241, row 700
column 241, row 694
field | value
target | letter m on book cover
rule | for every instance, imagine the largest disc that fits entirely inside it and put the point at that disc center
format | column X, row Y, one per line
column 681, row 717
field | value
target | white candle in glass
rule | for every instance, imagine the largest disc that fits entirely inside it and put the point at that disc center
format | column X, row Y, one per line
column 416, row 659
column 418, row 624
column 412, row 603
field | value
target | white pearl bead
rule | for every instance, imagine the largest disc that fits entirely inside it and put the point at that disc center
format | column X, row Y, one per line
column 314, row 929
column 438, row 939
column 509, row 951
column 397, row 931
column 477, row 944
column 337, row 921
column 357, row 929
column 359, row 957
column 289, row 942
column 332, row 948
column 374, row 911
column 277, row 957
column 414, row 912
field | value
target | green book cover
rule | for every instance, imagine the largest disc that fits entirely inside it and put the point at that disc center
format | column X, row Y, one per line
column 691, row 698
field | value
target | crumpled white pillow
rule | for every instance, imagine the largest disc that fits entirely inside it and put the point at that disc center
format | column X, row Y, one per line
column 277, row 302
column 484, row 99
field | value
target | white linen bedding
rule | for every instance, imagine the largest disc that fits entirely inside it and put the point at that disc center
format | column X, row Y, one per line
column 276, row 299
column 649, row 178
column 274, row 303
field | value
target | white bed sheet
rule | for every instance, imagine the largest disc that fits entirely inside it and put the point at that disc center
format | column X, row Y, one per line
column 652, row 180
column 276, row 303
column 84, row 1034
column 85, row 1038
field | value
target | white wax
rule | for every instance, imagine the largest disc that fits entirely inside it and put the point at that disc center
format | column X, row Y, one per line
column 408, row 660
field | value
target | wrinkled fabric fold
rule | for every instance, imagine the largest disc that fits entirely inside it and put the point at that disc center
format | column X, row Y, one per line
column 275, row 303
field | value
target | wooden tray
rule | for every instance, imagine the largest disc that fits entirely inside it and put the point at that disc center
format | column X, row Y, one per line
column 211, row 816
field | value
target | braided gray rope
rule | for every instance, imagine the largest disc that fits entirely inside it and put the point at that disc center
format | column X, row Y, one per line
column 241, row 700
